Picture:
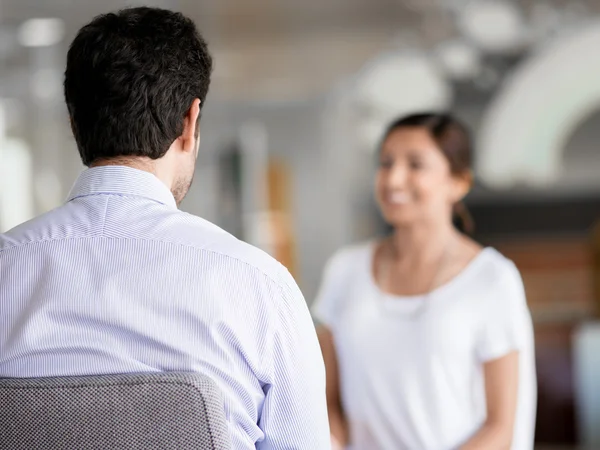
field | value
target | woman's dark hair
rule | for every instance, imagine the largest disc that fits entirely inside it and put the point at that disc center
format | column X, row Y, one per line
column 454, row 141
column 131, row 77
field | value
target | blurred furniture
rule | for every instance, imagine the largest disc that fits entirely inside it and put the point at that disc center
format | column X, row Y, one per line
column 280, row 211
column 596, row 262
column 556, row 423
column 557, row 271
column 586, row 362
column 558, row 275
column 163, row 411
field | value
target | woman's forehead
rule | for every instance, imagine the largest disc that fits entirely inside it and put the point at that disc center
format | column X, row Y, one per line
column 407, row 139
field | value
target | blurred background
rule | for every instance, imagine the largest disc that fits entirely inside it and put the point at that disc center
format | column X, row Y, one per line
column 302, row 91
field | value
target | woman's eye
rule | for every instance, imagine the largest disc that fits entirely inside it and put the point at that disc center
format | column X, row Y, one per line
column 386, row 163
column 416, row 165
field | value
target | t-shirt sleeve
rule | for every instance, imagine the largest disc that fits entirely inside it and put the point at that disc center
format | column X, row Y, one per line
column 325, row 308
column 506, row 325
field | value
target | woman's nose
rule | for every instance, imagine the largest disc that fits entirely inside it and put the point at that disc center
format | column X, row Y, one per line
column 397, row 176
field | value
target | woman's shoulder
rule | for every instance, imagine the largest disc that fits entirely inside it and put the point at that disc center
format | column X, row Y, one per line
column 490, row 262
column 498, row 263
column 496, row 272
column 342, row 271
column 347, row 258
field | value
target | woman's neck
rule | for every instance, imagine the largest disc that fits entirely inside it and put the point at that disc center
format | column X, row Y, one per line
column 422, row 243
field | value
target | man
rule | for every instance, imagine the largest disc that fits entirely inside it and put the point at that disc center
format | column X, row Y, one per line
column 119, row 280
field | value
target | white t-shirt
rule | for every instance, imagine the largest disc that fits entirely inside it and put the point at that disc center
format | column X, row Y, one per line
column 415, row 381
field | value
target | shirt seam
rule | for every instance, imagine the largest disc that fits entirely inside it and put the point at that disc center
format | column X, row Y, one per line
column 121, row 194
column 278, row 282
column 105, row 214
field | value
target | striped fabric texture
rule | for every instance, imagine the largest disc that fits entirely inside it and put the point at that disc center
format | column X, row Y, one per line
column 118, row 280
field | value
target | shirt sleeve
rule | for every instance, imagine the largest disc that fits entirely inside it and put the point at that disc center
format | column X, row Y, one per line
column 506, row 324
column 325, row 308
column 294, row 412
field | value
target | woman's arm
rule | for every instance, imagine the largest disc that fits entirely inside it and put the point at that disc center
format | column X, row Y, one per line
column 337, row 421
column 501, row 389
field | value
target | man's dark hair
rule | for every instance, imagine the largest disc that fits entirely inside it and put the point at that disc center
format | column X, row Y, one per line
column 131, row 77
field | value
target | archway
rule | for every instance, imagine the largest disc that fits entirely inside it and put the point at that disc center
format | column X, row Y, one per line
column 525, row 130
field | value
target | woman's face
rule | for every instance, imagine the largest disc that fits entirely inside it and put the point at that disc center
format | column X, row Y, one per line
column 414, row 182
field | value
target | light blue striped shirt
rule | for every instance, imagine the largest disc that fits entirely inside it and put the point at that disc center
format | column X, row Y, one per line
column 119, row 280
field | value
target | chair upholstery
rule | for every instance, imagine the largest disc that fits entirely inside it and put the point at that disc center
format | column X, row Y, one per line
column 165, row 411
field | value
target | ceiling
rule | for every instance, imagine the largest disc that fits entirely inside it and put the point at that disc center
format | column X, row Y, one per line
column 268, row 49
column 264, row 49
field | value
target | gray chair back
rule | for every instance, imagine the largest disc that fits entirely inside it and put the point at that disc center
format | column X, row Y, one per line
column 132, row 411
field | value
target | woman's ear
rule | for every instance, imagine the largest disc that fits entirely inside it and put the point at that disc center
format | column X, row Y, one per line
column 463, row 182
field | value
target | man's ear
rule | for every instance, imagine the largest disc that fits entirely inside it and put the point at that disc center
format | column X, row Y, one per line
column 71, row 123
column 190, row 124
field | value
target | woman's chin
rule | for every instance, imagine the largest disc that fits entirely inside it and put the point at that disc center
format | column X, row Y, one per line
column 399, row 218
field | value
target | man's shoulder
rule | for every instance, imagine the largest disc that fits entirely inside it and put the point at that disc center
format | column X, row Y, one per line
column 49, row 226
column 155, row 224
column 205, row 238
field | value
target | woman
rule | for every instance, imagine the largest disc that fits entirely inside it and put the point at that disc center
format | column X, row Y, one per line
column 426, row 336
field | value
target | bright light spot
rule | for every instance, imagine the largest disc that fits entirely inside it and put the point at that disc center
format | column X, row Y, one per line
column 16, row 199
column 459, row 59
column 399, row 84
column 494, row 26
column 404, row 82
column 41, row 32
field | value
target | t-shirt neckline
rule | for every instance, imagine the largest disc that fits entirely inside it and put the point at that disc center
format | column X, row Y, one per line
column 457, row 279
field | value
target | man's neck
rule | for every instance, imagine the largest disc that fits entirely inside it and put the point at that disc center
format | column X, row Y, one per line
column 140, row 163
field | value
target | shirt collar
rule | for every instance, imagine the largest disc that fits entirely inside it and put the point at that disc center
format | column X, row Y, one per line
column 121, row 180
